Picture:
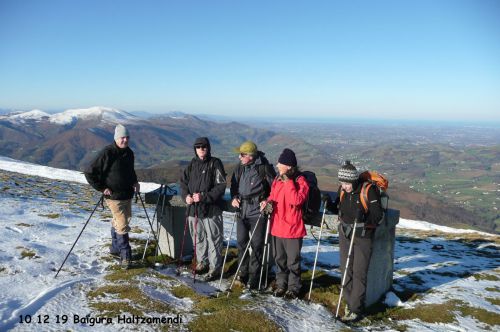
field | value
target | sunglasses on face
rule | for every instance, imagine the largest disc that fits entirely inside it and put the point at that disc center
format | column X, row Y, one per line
column 201, row 146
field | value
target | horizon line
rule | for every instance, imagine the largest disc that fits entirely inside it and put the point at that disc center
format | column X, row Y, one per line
column 293, row 118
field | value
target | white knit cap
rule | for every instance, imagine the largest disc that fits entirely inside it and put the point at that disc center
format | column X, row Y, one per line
column 121, row 131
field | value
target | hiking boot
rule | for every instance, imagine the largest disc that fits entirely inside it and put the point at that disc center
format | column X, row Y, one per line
column 291, row 295
column 252, row 283
column 115, row 255
column 201, row 268
column 125, row 264
column 347, row 311
column 240, row 281
column 211, row 276
column 279, row 292
column 352, row 317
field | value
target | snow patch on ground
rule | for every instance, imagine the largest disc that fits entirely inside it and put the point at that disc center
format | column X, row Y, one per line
column 48, row 172
column 427, row 226
column 392, row 300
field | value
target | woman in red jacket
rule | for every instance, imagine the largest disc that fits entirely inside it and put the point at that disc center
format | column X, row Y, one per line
column 288, row 193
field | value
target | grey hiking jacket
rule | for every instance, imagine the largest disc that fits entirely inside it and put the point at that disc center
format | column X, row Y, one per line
column 252, row 184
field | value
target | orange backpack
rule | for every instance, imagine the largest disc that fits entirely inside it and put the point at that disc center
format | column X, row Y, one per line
column 370, row 178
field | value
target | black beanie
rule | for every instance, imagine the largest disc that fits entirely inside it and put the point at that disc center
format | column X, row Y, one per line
column 287, row 157
column 348, row 173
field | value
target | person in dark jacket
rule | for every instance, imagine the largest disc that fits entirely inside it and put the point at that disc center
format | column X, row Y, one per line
column 350, row 209
column 250, row 185
column 112, row 173
column 289, row 193
column 202, row 184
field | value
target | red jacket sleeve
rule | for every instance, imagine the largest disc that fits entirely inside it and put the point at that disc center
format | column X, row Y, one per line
column 272, row 194
column 297, row 191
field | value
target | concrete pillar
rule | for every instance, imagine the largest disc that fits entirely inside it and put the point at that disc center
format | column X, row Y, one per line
column 171, row 214
column 380, row 272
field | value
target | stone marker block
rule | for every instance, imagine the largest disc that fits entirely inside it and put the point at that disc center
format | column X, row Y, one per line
column 171, row 215
column 380, row 272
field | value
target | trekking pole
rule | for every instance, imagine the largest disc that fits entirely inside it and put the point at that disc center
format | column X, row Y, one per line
column 227, row 249
column 149, row 231
column 244, row 253
column 151, row 226
column 95, row 208
column 267, row 265
column 266, row 248
column 195, row 233
column 158, row 225
column 170, row 219
column 180, row 259
column 316, row 256
column 346, row 266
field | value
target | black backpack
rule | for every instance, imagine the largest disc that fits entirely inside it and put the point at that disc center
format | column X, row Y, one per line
column 310, row 209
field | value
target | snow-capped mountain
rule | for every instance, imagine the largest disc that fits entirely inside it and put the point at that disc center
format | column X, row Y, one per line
column 71, row 116
column 106, row 114
column 30, row 115
column 71, row 138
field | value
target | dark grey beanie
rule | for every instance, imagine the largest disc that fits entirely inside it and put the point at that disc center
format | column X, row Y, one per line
column 348, row 173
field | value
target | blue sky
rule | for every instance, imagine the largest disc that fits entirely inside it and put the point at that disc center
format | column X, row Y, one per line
column 351, row 59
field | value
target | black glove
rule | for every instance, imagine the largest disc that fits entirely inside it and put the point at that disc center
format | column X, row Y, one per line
column 268, row 209
column 328, row 204
column 326, row 198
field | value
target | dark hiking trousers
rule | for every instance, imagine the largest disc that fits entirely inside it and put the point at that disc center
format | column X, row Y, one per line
column 355, row 283
column 287, row 259
column 250, row 266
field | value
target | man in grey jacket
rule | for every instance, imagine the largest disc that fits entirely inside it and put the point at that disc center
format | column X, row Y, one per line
column 250, row 184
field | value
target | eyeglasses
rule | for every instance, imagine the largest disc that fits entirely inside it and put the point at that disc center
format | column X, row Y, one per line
column 201, row 146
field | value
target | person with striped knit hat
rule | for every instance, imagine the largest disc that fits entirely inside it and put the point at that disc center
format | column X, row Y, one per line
column 350, row 210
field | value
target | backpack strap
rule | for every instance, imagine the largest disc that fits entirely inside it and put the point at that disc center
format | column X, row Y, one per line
column 363, row 196
column 262, row 170
column 238, row 171
column 211, row 169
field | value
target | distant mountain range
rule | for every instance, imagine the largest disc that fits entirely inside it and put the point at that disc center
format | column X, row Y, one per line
column 70, row 139
column 455, row 185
